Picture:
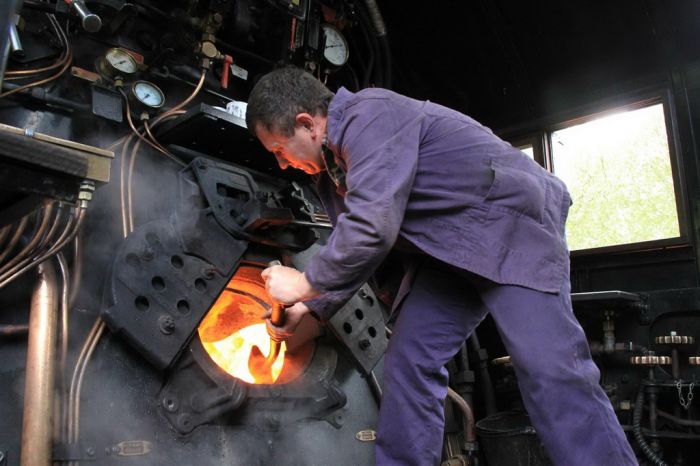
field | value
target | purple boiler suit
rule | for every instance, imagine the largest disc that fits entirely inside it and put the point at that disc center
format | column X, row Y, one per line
column 489, row 223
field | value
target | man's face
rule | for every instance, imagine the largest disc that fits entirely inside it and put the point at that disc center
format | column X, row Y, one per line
column 301, row 150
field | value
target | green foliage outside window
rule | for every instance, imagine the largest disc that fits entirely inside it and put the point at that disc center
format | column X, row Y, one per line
column 618, row 171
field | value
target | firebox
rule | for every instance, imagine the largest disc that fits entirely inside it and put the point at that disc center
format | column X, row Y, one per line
column 184, row 302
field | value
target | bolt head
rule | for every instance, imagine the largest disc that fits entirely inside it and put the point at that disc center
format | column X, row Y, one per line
column 166, row 324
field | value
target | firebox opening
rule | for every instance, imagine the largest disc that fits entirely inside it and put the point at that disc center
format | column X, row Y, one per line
column 233, row 325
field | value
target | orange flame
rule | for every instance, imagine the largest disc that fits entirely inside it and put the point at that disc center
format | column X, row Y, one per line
column 233, row 325
column 232, row 353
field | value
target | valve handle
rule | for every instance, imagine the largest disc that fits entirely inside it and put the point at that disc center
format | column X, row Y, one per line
column 228, row 60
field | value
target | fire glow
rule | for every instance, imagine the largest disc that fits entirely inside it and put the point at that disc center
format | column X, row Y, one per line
column 232, row 353
column 233, row 325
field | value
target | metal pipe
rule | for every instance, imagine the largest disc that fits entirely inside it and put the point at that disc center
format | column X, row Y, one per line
column 485, row 384
column 77, row 273
column 34, row 241
column 467, row 415
column 15, row 238
column 16, row 49
column 63, row 354
column 4, row 233
column 7, row 10
column 375, row 387
column 39, row 383
column 13, row 330
column 71, row 229
column 677, row 420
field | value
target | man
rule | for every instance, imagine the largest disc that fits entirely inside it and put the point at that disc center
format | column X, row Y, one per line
column 484, row 225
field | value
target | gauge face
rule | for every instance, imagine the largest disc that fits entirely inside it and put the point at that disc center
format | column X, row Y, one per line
column 336, row 47
column 148, row 94
column 121, row 61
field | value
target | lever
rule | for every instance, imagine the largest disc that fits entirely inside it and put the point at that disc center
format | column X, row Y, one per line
column 90, row 21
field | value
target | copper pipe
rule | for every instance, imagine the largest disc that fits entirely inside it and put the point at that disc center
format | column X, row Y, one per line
column 13, row 330
column 128, row 217
column 142, row 137
column 467, row 415
column 15, row 237
column 129, row 186
column 65, row 61
column 77, row 379
column 77, row 273
column 71, row 230
column 56, row 64
column 34, row 241
column 153, row 138
column 122, row 185
column 4, row 233
column 63, row 353
column 5, row 273
column 93, row 344
column 54, row 227
column 39, row 382
column 74, row 378
column 182, row 104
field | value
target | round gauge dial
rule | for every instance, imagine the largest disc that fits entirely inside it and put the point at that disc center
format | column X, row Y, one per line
column 335, row 49
column 121, row 61
column 148, row 94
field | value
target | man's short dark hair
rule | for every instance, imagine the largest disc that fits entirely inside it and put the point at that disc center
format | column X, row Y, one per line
column 279, row 96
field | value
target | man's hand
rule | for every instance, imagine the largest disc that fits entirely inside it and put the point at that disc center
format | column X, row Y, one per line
column 287, row 285
column 293, row 316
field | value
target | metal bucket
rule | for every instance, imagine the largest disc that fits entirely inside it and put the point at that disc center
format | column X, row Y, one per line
column 508, row 439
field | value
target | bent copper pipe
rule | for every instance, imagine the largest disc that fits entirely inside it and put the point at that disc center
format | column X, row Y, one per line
column 15, row 238
column 467, row 415
column 41, row 229
column 37, row 425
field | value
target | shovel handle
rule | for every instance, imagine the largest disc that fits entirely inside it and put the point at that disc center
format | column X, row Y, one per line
column 277, row 318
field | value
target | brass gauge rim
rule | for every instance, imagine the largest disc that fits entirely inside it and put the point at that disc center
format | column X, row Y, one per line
column 107, row 69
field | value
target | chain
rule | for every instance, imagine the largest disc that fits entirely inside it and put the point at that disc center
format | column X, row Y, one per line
column 685, row 403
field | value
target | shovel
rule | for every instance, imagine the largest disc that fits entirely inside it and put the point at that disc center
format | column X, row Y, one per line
column 259, row 365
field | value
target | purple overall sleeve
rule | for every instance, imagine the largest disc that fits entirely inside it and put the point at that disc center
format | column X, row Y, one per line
column 380, row 147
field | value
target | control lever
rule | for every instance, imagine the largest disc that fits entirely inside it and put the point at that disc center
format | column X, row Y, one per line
column 90, row 21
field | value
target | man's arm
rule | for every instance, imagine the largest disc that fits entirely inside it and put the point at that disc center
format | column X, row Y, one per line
column 380, row 145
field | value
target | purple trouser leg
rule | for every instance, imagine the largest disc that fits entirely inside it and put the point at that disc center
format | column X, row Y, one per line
column 557, row 378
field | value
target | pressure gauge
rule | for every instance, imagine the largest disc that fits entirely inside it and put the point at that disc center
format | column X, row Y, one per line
column 335, row 50
column 146, row 94
column 117, row 63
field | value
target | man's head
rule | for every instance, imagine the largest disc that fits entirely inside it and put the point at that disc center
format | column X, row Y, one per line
column 287, row 111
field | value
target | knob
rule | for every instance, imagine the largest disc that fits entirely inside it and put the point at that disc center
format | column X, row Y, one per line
column 90, row 21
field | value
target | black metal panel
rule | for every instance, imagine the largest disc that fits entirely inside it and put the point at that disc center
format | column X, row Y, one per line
column 107, row 104
column 164, row 279
column 245, row 211
column 360, row 326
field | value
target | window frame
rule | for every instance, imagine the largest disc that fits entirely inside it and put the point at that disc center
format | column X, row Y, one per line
column 647, row 99
column 538, row 143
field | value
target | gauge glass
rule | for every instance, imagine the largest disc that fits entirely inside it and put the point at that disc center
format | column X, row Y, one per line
column 336, row 47
column 121, row 61
column 148, row 94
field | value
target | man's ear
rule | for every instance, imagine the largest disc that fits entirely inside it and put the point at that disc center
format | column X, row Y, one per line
column 306, row 121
